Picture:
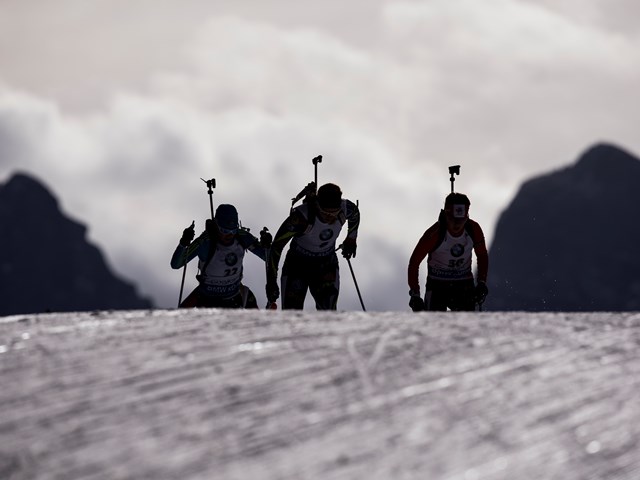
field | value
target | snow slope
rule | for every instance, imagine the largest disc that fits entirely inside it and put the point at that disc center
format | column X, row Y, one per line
column 212, row 394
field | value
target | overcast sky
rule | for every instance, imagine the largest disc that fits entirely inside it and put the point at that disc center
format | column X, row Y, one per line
column 121, row 107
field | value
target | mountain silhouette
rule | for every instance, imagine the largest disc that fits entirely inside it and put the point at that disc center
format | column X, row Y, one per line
column 46, row 262
column 570, row 240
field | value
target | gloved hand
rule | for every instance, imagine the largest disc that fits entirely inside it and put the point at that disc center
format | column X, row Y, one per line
column 266, row 239
column 188, row 234
column 349, row 248
column 481, row 292
column 272, row 290
column 307, row 192
column 310, row 188
column 416, row 302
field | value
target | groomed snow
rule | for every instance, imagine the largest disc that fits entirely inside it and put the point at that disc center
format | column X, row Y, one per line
column 213, row 394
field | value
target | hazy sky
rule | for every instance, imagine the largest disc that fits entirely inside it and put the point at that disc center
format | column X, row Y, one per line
column 121, row 107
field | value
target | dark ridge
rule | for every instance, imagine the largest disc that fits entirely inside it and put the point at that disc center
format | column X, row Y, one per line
column 46, row 262
column 569, row 240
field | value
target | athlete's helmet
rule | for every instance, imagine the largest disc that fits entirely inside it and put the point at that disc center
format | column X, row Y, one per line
column 227, row 217
column 457, row 205
column 329, row 196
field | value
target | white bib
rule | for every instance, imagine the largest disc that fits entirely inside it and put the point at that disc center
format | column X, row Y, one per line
column 224, row 271
column 320, row 240
column 452, row 259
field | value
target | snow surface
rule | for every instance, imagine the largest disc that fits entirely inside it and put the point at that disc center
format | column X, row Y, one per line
column 212, row 394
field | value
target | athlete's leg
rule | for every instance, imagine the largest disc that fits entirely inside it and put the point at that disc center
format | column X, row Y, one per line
column 462, row 296
column 325, row 287
column 435, row 297
column 293, row 285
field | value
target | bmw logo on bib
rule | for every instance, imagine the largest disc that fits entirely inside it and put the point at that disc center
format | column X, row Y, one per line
column 231, row 259
column 326, row 234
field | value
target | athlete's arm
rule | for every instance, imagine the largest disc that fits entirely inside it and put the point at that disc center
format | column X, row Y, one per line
column 426, row 244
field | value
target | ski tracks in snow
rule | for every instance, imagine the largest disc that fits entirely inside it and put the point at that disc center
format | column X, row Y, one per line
column 236, row 395
column 366, row 366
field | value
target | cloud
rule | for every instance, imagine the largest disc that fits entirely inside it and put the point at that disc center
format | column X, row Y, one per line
column 133, row 173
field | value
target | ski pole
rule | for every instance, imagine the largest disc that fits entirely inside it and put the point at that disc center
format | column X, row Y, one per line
column 356, row 284
column 454, row 169
column 184, row 272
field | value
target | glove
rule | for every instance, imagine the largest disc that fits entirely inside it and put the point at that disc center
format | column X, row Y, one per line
column 310, row 188
column 307, row 191
column 481, row 292
column 265, row 238
column 272, row 291
column 416, row 302
column 188, row 234
column 349, row 248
